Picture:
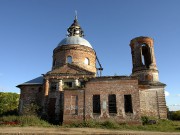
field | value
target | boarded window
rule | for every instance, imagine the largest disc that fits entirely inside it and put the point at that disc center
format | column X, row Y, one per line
column 112, row 103
column 69, row 59
column 96, row 104
column 128, row 104
column 74, row 105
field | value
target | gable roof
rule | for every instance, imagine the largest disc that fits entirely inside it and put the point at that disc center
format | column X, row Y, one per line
column 70, row 69
column 35, row 81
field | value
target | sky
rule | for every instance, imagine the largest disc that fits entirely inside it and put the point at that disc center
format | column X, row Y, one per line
column 31, row 29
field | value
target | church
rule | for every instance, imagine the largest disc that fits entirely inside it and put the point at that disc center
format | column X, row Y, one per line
column 74, row 90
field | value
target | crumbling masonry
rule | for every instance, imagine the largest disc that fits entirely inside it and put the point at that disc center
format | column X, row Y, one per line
column 72, row 92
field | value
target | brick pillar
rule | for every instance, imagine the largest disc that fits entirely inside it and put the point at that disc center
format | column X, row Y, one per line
column 46, row 87
column 60, row 88
column 46, row 91
column 76, row 82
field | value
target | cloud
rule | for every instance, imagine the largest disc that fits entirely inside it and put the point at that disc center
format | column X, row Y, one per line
column 167, row 93
column 175, row 105
column 178, row 95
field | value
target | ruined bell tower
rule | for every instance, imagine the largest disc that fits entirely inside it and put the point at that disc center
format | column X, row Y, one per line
column 143, row 59
column 151, row 90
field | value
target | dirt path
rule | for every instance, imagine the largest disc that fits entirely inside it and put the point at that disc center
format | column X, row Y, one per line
column 46, row 131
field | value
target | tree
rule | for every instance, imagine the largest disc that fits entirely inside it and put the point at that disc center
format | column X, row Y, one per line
column 8, row 102
column 175, row 115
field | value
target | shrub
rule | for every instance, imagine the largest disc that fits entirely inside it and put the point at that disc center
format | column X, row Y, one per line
column 25, row 121
column 144, row 120
column 8, row 103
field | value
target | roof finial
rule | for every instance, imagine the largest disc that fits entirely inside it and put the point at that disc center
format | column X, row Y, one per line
column 75, row 14
column 75, row 29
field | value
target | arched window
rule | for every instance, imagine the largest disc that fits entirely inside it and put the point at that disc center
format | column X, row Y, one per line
column 145, row 55
column 69, row 59
column 86, row 61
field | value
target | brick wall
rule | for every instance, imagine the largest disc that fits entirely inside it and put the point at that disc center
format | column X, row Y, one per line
column 32, row 94
column 78, row 54
column 119, row 87
column 152, row 103
column 73, row 106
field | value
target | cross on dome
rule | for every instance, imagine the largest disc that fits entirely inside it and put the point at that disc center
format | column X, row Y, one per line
column 75, row 29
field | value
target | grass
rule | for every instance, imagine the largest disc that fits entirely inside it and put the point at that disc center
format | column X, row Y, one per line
column 23, row 121
column 162, row 125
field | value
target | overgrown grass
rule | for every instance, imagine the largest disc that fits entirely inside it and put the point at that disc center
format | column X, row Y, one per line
column 23, row 121
column 161, row 125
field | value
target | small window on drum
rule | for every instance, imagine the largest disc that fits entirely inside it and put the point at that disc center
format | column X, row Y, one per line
column 69, row 59
column 86, row 61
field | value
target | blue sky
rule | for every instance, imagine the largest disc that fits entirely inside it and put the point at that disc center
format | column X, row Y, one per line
column 31, row 29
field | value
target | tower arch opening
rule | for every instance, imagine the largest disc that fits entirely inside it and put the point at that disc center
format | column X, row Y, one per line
column 145, row 55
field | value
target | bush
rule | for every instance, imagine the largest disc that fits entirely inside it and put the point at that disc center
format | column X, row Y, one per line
column 24, row 121
column 148, row 120
column 144, row 120
column 8, row 103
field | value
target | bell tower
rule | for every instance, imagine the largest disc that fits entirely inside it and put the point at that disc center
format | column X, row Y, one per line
column 143, row 59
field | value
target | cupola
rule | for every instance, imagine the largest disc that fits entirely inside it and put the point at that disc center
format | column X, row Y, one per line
column 75, row 50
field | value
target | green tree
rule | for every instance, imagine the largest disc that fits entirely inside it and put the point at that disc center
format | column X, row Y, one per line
column 175, row 115
column 8, row 102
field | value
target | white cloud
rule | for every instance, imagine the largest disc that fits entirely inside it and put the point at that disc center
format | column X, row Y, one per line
column 178, row 95
column 175, row 105
column 167, row 93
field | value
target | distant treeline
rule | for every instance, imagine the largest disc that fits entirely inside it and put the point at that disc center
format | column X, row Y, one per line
column 8, row 103
column 174, row 115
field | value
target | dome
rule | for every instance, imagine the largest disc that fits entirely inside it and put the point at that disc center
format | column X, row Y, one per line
column 75, row 40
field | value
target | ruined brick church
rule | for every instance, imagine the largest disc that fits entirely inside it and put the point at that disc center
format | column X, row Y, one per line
column 73, row 92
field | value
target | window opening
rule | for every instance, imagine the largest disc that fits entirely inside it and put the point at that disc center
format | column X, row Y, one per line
column 128, row 104
column 112, row 103
column 145, row 55
column 96, row 104
column 86, row 61
column 53, row 86
column 69, row 59
column 68, row 84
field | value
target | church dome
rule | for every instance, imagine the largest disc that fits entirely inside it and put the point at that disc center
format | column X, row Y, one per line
column 75, row 40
